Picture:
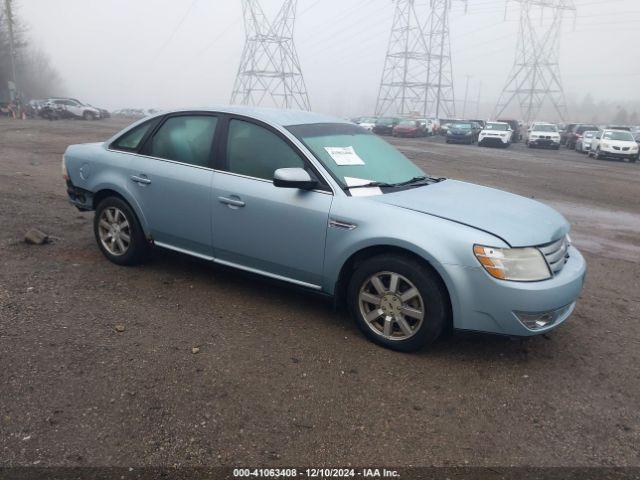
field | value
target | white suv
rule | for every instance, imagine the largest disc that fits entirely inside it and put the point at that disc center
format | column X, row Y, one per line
column 543, row 135
column 495, row 134
column 72, row 108
column 614, row 144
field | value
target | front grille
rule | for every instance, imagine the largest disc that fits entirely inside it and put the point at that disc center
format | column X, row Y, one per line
column 556, row 254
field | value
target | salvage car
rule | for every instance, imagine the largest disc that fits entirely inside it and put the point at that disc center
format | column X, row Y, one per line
column 576, row 133
column 72, row 108
column 462, row 132
column 495, row 134
column 323, row 204
column 543, row 135
column 367, row 122
column 410, row 128
column 583, row 145
column 385, row 125
column 614, row 144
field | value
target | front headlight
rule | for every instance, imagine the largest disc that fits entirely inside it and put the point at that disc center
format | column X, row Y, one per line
column 605, row 145
column 516, row 264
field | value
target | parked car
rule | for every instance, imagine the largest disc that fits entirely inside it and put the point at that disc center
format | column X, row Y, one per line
column 637, row 138
column 543, row 135
column 614, row 144
column 565, row 131
column 583, row 145
column 410, row 128
column 444, row 125
column 385, row 125
column 367, row 122
column 495, row 134
column 576, row 133
column 462, row 132
column 516, row 131
column 323, row 204
column 72, row 108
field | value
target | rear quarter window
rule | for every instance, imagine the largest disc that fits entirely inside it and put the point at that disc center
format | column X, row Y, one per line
column 131, row 141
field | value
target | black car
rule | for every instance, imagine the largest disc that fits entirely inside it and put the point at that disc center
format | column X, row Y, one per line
column 462, row 132
column 565, row 132
column 385, row 125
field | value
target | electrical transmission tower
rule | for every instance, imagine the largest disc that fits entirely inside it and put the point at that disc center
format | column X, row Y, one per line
column 417, row 76
column 535, row 75
column 403, row 87
column 440, row 94
column 269, row 69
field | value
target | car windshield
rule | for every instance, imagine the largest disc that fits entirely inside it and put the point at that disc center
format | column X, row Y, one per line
column 353, row 155
column 408, row 123
column 462, row 126
column 385, row 121
column 586, row 128
column 589, row 134
column 618, row 135
column 545, row 128
column 496, row 126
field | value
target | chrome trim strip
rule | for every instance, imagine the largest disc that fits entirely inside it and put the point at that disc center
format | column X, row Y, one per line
column 267, row 274
column 238, row 266
column 160, row 159
column 341, row 225
column 248, row 177
column 183, row 250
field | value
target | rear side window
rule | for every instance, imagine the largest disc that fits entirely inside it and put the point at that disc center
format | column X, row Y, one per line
column 186, row 139
column 130, row 141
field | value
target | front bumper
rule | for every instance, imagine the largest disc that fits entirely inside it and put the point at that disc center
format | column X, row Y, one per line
column 460, row 138
column 544, row 142
column 482, row 303
column 493, row 141
column 628, row 155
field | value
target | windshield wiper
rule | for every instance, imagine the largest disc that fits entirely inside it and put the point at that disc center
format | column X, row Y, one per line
column 414, row 181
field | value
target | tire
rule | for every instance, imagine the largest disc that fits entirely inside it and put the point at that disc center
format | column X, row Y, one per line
column 88, row 116
column 137, row 249
column 431, row 300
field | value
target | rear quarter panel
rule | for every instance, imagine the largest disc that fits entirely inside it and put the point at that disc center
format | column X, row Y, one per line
column 94, row 168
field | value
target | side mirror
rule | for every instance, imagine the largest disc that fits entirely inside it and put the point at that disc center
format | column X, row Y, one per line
column 294, row 178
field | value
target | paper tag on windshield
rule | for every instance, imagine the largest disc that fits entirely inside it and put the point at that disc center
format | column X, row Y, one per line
column 344, row 156
column 361, row 192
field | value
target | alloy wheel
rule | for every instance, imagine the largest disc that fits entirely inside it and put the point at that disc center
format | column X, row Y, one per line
column 114, row 231
column 391, row 306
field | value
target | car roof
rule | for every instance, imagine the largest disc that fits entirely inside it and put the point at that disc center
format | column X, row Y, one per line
column 276, row 116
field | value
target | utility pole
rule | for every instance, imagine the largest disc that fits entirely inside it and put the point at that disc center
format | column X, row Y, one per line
column 466, row 96
column 478, row 100
column 440, row 91
column 269, row 68
column 403, row 87
column 535, row 75
column 12, row 53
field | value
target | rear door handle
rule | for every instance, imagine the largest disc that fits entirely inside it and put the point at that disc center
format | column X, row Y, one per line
column 232, row 202
column 142, row 179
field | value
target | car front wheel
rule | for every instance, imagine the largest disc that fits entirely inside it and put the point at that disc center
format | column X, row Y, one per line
column 118, row 232
column 398, row 302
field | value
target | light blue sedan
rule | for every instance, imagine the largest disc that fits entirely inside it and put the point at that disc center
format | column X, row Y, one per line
column 326, row 205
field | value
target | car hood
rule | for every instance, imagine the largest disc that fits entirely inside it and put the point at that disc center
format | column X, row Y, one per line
column 456, row 131
column 519, row 221
column 619, row 143
column 406, row 127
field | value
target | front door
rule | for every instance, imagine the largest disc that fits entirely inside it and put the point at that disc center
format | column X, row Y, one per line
column 172, row 182
column 257, row 226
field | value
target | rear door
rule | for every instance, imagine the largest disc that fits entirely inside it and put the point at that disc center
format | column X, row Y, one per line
column 280, row 232
column 172, row 178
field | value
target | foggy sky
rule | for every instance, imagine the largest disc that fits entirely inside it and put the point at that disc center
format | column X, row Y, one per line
column 180, row 53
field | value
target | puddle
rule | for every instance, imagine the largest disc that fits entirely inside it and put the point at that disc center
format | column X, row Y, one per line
column 610, row 233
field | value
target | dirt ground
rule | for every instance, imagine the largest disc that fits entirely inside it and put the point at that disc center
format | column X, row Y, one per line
column 282, row 379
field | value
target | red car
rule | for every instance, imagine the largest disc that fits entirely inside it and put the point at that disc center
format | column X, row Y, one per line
column 410, row 128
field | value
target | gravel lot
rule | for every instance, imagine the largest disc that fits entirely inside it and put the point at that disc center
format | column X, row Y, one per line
column 280, row 378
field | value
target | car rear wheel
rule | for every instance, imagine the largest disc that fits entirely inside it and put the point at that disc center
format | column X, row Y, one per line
column 397, row 302
column 88, row 116
column 118, row 232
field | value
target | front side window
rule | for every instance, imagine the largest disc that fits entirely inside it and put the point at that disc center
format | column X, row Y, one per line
column 254, row 151
column 353, row 154
column 131, row 140
column 185, row 139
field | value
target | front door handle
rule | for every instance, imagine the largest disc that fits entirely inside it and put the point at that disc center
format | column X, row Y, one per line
column 232, row 202
column 142, row 180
